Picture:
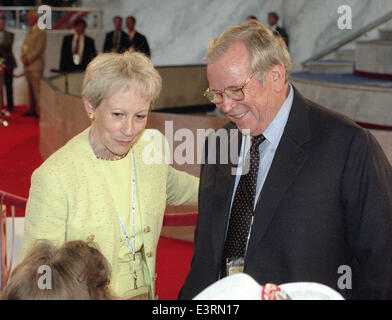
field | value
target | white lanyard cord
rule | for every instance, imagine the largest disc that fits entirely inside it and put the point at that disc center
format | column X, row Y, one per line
column 132, row 249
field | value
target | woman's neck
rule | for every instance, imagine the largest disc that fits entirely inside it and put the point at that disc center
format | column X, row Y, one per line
column 100, row 150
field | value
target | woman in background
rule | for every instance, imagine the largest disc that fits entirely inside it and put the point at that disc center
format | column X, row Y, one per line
column 111, row 182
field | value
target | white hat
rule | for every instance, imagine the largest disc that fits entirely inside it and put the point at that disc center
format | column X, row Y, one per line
column 241, row 286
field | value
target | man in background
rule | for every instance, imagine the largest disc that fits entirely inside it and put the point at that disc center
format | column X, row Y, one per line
column 77, row 50
column 6, row 42
column 33, row 59
column 138, row 42
column 273, row 19
column 251, row 18
column 117, row 40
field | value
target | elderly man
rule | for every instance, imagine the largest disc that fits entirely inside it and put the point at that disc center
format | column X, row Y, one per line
column 314, row 202
column 33, row 56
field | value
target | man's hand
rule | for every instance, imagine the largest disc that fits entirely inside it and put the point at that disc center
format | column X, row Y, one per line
column 25, row 61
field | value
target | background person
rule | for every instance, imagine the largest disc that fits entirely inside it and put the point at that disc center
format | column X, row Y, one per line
column 6, row 42
column 77, row 271
column 33, row 59
column 137, row 41
column 273, row 19
column 117, row 40
column 316, row 194
column 251, row 18
column 77, row 50
column 104, row 184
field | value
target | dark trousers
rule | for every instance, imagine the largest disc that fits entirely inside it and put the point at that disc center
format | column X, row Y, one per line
column 8, row 86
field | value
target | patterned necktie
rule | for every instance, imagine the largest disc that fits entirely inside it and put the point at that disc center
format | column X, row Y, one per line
column 242, row 208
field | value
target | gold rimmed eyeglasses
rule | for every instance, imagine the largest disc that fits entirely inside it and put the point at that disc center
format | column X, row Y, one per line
column 233, row 92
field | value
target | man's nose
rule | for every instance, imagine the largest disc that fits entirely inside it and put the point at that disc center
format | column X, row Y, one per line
column 227, row 104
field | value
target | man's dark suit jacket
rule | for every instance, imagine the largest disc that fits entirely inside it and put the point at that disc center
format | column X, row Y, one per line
column 6, row 50
column 124, row 42
column 326, row 203
column 66, row 60
column 141, row 44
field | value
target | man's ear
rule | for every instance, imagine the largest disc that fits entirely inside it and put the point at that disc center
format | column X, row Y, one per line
column 278, row 75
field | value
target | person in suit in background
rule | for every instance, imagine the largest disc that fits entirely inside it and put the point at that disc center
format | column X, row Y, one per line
column 273, row 19
column 251, row 18
column 314, row 194
column 116, row 41
column 6, row 42
column 33, row 59
column 77, row 50
column 138, row 42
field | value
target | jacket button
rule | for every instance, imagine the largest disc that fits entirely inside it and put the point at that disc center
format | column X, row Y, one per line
column 154, row 277
column 91, row 237
column 149, row 254
column 147, row 229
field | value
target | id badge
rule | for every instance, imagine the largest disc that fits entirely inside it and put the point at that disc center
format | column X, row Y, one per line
column 234, row 266
column 76, row 59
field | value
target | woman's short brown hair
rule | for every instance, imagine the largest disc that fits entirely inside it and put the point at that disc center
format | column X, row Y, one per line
column 109, row 72
column 78, row 271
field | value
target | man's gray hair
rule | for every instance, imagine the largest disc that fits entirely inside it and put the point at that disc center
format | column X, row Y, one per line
column 265, row 49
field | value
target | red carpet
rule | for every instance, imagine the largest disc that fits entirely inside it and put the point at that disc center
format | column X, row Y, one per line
column 19, row 153
column 173, row 262
column 19, row 157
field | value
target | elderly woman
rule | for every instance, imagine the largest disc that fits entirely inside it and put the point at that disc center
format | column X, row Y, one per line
column 111, row 182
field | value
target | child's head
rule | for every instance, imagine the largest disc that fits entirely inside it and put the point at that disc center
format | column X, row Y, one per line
column 75, row 271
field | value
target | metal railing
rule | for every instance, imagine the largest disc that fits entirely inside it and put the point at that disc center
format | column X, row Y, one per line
column 62, row 17
column 349, row 38
column 12, row 201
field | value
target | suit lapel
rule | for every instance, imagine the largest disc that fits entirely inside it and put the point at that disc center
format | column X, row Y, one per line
column 289, row 158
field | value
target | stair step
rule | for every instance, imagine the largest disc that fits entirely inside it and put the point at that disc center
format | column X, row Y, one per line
column 374, row 56
column 345, row 55
column 348, row 94
column 385, row 34
column 331, row 67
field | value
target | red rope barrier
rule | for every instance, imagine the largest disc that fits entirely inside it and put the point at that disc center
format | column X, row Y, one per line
column 14, row 75
column 10, row 199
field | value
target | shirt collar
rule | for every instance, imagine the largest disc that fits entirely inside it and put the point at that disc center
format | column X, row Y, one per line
column 274, row 131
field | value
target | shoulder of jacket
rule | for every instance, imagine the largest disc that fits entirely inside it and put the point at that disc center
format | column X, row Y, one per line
column 67, row 156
